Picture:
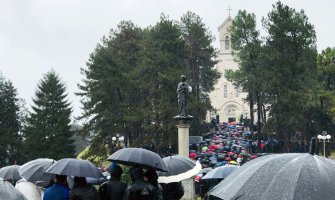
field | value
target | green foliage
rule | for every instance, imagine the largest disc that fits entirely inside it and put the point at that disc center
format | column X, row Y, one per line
column 131, row 79
column 291, row 58
column 111, row 91
column 279, row 72
column 10, row 124
column 250, row 77
column 48, row 126
column 97, row 160
column 201, row 60
column 326, row 72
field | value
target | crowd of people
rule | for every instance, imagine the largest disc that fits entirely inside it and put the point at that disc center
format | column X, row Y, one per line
column 226, row 144
column 143, row 185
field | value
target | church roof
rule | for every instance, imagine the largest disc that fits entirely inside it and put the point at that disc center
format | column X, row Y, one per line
column 225, row 22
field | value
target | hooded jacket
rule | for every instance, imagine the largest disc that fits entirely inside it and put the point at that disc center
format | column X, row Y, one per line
column 139, row 189
column 113, row 189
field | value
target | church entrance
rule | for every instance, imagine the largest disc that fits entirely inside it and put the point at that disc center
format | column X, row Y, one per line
column 231, row 119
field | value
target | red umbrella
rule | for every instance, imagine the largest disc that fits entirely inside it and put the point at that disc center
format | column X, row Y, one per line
column 198, row 178
column 213, row 146
column 193, row 155
column 232, row 123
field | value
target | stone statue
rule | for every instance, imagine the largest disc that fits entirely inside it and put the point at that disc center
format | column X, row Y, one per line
column 183, row 89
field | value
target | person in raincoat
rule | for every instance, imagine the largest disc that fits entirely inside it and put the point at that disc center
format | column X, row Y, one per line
column 113, row 189
column 172, row 191
column 139, row 189
column 58, row 191
column 82, row 191
column 151, row 177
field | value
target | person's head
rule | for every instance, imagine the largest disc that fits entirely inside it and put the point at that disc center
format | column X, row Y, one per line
column 151, row 176
column 183, row 78
column 115, row 171
column 136, row 173
column 79, row 181
column 61, row 179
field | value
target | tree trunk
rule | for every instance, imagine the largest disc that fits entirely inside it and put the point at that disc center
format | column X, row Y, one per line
column 259, row 128
column 251, row 104
column 264, row 113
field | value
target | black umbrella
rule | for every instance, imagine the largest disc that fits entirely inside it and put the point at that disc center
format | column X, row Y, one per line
column 35, row 170
column 137, row 156
column 280, row 176
column 179, row 168
column 10, row 172
column 8, row 192
column 75, row 167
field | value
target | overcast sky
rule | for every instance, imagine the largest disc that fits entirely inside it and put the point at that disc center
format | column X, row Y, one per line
column 39, row 35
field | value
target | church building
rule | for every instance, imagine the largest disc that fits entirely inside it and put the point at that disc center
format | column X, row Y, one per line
column 226, row 99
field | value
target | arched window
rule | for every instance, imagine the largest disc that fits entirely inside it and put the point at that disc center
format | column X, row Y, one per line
column 227, row 42
column 230, row 111
column 225, row 91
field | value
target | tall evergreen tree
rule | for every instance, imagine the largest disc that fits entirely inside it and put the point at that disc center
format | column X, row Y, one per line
column 201, row 60
column 48, row 132
column 326, row 69
column 291, row 59
column 280, row 73
column 110, row 91
column 10, row 124
column 162, row 65
column 131, row 80
column 247, row 46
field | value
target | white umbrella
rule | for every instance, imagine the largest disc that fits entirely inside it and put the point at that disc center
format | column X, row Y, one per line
column 29, row 190
column 179, row 161
column 8, row 192
column 35, row 170
column 10, row 172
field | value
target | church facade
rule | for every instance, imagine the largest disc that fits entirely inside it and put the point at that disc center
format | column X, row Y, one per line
column 226, row 99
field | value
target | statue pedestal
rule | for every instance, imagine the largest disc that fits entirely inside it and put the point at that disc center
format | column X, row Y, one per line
column 183, row 149
column 183, row 139
column 183, row 134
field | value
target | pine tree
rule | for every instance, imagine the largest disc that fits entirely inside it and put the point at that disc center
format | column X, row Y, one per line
column 48, row 132
column 162, row 65
column 10, row 124
column 291, row 67
column 110, row 89
column 201, row 60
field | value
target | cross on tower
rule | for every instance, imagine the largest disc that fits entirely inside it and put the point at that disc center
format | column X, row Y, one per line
column 229, row 9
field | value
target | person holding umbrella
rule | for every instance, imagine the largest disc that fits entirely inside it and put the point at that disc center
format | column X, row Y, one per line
column 139, row 189
column 114, row 188
column 82, row 191
column 172, row 191
column 58, row 191
column 152, row 177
